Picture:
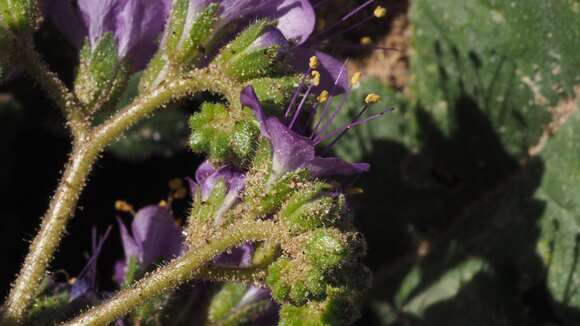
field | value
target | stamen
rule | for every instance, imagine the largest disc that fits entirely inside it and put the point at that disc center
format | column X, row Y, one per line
column 315, row 80
column 300, row 106
column 327, row 106
column 313, row 62
column 341, row 131
column 296, row 92
column 123, row 206
column 163, row 203
column 372, row 98
column 323, row 97
column 344, row 18
column 380, row 12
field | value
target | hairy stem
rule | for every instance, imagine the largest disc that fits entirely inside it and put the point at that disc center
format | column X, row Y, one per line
column 177, row 272
column 81, row 161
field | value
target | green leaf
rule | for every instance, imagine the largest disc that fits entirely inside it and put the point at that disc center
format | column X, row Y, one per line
column 559, row 246
column 510, row 58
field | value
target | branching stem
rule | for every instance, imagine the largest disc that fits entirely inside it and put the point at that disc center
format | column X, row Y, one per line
column 177, row 272
column 88, row 145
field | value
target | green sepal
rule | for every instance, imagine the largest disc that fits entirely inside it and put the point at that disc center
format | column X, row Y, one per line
column 132, row 272
column 243, row 60
column 101, row 76
column 19, row 15
column 224, row 137
column 275, row 93
column 205, row 210
column 185, row 43
column 311, row 208
column 155, row 73
column 268, row 202
column 225, row 300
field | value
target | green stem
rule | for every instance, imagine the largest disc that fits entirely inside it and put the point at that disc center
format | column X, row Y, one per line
column 177, row 272
column 85, row 153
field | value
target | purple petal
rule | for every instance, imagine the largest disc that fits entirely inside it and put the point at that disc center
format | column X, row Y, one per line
column 249, row 98
column 272, row 36
column 130, row 247
column 138, row 26
column 99, row 17
column 290, row 150
column 323, row 166
column 331, row 70
column 238, row 257
column 119, row 271
column 203, row 172
column 157, row 235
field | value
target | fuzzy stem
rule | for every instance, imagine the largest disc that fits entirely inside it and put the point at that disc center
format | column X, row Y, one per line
column 177, row 272
column 85, row 153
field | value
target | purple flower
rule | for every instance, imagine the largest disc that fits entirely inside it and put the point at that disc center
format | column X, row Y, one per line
column 154, row 235
column 206, row 178
column 135, row 24
column 291, row 150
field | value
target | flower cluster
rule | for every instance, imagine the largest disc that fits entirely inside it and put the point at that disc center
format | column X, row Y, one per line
column 268, row 153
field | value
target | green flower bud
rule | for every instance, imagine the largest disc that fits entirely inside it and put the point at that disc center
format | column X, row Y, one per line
column 187, row 36
column 292, row 281
column 101, row 77
column 256, row 52
column 224, row 137
column 311, row 208
column 329, row 248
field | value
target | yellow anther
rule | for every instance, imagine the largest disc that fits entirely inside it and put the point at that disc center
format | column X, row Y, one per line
column 175, row 184
column 366, row 40
column 372, row 98
column 315, row 80
column 313, row 62
column 163, row 203
column 123, row 206
column 380, row 12
column 323, row 97
column 355, row 79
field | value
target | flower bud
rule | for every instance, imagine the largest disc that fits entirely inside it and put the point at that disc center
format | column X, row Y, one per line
column 296, row 282
column 268, row 198
column 101, row 76
column 329, row 248
column 257, row 52
column 223, row 137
